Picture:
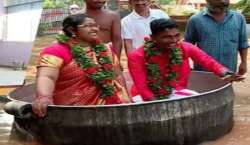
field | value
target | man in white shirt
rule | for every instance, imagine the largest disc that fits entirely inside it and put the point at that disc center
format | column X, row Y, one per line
column 135, row 26
column 73, row 9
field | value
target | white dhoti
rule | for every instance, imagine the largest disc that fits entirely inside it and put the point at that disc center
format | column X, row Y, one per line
column 175, row 95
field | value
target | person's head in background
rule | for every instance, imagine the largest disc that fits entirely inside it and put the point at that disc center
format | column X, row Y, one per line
column 73, row 9
column 217, row 6
column 95, row 4
column 165, row 33
column 154, row 5
column 140, row 6
column 81, row 28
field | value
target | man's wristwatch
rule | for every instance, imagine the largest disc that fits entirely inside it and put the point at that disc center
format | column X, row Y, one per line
column 228, row 73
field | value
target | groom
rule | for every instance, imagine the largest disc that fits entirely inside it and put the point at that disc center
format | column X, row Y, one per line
column 160, row 68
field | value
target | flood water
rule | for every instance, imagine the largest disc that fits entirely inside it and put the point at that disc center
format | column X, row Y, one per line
column 6, row 121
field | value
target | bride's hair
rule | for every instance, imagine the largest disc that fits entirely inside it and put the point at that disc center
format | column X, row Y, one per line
column 71, row 22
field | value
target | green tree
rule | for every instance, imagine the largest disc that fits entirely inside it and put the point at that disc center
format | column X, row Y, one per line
column 165, row 2
column 61, row 3
column 48, row 4
column 243, row 6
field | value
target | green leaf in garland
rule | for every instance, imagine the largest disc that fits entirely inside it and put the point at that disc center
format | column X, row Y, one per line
column 150, row 53
column 80, row 56
column 107, row 90
column 172, row 76
column 161, row 97
column 156, row 85
column 155, row 81
column 105, row 60
column 101, row 76
column 152, row 69
column 62, row 38
column 98, row 77
column 168, row 88
column 176, row 56
column 99, row 48
column 85, row 62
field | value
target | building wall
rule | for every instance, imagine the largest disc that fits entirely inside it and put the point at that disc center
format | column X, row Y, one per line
column 1, row 7
column 22, row 21
column 15, row 52
column 19, row 2
column 2, row 11
column 20, row 27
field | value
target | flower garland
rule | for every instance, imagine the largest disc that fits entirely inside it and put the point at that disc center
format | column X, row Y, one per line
column 161, row 85
column 102, row 72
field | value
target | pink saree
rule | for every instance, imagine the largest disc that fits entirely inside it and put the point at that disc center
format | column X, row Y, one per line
column 73, row 87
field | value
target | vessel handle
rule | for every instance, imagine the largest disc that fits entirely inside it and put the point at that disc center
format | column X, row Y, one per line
column 19, row 109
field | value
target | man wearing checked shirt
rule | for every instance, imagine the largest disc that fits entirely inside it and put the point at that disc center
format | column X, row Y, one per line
column 221, row 33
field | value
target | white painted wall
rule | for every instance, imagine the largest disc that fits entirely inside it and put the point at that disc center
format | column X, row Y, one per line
column 1, row 27
column 1, row 7
column 1, row 19
column 19, row 31
column 13, row 51
column 22, row 22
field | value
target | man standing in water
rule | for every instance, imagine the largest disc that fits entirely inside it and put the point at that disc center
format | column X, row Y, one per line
column 221, row 33
column 108, row 21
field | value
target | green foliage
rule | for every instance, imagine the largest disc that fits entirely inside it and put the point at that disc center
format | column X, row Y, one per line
column 150, row 52
column 99, row 47
column 105, row 60
column 41, row 29
column 78, row 53
column 107, row 90
column 48, row 4
column 165, row 2
column 243, row 6
column 153, row 69
column 158, row 83
column 155, row 86
column 53, row 4
column 101, row 77
column 176, row 56
column 172, row 76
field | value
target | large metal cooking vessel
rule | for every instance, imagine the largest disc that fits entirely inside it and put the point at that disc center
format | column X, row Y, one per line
column 165, row 122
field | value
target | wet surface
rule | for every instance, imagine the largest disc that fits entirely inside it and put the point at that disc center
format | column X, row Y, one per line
column 5, row 125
